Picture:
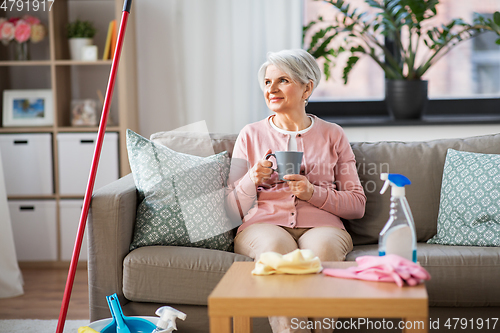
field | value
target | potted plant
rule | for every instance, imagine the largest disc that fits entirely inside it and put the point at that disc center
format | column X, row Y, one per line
column 357, row 33
column 80, row 33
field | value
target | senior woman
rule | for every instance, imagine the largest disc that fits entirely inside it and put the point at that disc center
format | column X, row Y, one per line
column 305, row 211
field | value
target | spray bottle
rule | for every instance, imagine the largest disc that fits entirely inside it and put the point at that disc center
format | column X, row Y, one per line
column 398, row 235
column 168, row 315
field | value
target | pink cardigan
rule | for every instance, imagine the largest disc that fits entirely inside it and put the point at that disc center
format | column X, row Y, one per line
column 328, row 163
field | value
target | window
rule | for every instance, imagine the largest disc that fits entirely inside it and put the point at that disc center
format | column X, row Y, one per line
column 485, row 62
column 470, row 71
column 366, row 81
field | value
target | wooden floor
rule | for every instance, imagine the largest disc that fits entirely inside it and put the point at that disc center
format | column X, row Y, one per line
column 43, row 293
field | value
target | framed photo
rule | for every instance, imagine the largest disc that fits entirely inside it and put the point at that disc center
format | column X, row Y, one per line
column 27, row 108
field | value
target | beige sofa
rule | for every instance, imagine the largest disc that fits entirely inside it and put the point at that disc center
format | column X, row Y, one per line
column 464, row 279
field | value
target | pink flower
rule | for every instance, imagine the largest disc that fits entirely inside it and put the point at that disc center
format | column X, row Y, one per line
column 14, row 20
column 31, row 19
column 6, row 32
column 37, row 33
column 23, row 31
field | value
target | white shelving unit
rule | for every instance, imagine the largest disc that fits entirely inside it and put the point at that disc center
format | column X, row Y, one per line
column 51, row 68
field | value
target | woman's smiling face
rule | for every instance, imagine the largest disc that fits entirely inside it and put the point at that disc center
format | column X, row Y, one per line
column 281, row 92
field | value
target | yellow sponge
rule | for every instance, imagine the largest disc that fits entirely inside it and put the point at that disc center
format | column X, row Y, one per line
column 86, row 329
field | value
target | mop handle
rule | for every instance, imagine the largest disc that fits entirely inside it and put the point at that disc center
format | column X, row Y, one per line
column 93, row 170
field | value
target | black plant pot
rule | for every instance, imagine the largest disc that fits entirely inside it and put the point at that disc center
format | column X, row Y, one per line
column 406, row 99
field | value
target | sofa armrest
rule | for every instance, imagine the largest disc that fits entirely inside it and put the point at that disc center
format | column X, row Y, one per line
column 110, row 230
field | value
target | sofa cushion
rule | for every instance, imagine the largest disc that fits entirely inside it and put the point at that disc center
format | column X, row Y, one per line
column 178, row 275
column 422, row 163
column 469, row 209
column 182, row 197
column 470, row 274
column 199, row 144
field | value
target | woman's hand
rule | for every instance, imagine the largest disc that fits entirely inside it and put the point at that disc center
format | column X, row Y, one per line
column 261, row 172
column 300, row 186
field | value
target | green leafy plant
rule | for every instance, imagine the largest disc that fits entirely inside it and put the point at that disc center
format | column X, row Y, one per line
column 80, row 29
column 357, row 33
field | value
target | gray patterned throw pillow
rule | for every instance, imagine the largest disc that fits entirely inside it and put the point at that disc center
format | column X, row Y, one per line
column 469, row 209
column 181, row 197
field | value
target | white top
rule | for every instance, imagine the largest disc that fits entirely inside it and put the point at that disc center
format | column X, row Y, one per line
column 292, row 143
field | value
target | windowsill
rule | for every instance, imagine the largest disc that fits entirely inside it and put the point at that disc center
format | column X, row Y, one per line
column 439, row 112
column 425, row 121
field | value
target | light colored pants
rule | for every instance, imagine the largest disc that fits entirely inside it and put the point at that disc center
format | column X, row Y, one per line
column 328, row 243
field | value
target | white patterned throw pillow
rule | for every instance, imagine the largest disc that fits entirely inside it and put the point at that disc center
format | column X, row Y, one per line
column 181, row 197
column 469, row 209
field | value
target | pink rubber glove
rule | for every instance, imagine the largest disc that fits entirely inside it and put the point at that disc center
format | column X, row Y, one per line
column 389, row 268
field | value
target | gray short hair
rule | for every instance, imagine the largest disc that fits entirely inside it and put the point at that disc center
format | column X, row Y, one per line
column 298, row 64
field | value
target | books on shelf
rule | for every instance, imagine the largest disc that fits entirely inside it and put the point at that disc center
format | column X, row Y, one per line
column 109, row 48
column 114, row 36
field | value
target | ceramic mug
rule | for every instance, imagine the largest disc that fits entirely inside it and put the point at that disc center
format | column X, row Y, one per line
column 287, row 162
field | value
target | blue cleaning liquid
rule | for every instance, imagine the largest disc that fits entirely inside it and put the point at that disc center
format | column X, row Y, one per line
column 414, row 255
column 398, row 236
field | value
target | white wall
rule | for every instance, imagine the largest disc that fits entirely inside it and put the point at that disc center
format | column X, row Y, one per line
column 198, row 60
column 155, row 29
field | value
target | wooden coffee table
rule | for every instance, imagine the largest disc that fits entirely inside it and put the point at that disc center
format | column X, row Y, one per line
column 241, row 295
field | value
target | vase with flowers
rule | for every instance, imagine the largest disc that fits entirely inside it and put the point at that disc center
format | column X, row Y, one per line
column 21, row 31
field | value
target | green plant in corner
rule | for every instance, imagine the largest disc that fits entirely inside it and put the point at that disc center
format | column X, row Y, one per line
column 80, row 29
column 357, row 33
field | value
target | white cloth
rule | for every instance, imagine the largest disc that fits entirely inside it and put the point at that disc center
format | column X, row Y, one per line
column 198, row 60
column 11, row 279
column 299, row 261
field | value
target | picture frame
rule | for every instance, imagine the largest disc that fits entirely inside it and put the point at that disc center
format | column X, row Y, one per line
column 28, row 108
